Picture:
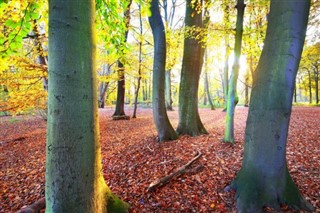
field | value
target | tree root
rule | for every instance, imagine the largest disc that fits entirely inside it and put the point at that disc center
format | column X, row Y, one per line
column 35, row 207
column 180, row 171
column 120, row 117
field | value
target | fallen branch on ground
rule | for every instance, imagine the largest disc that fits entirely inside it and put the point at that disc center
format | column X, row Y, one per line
column 180, row 171
column 13, row 140
column 35, row 207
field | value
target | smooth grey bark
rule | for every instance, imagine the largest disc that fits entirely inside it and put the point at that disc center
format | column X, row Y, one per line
column 160, row 117
column 168, row 96
column 264, row 179
column 232, row 87
column 74, row 181
column 189, row 119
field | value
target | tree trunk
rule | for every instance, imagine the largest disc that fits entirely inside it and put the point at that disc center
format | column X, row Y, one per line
column 316, row 81
column 119, row 112
column 246, row 91
column 161, row 120
column 310, row 87
column 74, row 181
column 139, row 69
column 103, row 86
column 168, row 96
column 264, row 179
column 189, row 119
column 206, row 82
column 227, row 52
column 41, row 58
column 232, row 90
column 102, row 94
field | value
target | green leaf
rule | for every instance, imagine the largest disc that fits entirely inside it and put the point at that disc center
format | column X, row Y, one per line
column 10, row 23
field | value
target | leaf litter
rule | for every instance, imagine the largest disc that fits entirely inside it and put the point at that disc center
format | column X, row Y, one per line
column 132, row 159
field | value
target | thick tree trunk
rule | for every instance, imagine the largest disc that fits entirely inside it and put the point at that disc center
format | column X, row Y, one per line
column 232, row 90
column 189, row 119
column 161, row 120
column 264, row 179
column 74, row 180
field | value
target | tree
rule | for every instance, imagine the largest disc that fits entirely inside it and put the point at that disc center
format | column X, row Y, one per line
column 119, row 112
column 161, row 120
column 206, row 82
column 140, row 64
column 173, row 44
column 74, row 182
column 310, row 63
column 232, row 88
column 189, row 119
column 226, row 19
column 264, row 179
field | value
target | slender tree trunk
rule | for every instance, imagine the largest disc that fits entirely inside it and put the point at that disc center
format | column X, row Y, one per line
column 74, row 181
column 119, row 111
column 103, row 86
column 206, row 80
column 189, row 119
column 41, row 58
column 316, row 81
column 168, row 95
column 227, row 53
column 295, row 93
column 161, row 120
column 310, row 87
column 232, row 90
column 139, row 69
column 102, row 94
column 264, row 179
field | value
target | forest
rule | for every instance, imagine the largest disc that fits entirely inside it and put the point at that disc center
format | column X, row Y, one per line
column 159, row 106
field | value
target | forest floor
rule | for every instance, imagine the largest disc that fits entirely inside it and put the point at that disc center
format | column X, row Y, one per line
column 132, row 159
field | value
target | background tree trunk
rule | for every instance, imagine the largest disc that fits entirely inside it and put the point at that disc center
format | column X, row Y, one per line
column 74, row 182
column 168, row 96
column 206, row 82
column 119, row 111
column 232, row 89
column 161, row 120
column 139, row 69
column 189, row 119
column 310, row 86
column 226, row 20
column 264, row 179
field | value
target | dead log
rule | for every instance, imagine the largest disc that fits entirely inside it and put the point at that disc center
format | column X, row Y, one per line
column 180, row 171
column 35, row 207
